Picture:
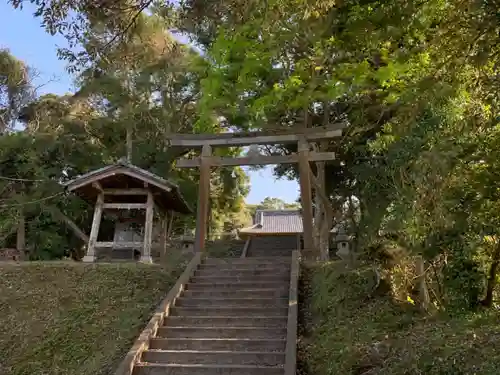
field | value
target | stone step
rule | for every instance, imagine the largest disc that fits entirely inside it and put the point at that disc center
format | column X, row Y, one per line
column 231, row 302
column 235, row 279
column 246, row 267
column 269, row 252
column 171, row 369
column 237, row 285
column 229, row 311
column 214, row 357
column 236, row 345
column 242, row 273
column 243, row 293
column 278, row 253
column 229, row 321
column 254, row 260
column 221, row 332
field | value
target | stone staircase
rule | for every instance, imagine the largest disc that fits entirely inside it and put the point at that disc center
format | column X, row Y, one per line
column 230, row 319
column 272, row 246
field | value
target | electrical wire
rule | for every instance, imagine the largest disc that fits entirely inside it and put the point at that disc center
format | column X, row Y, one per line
column 32, row 202
column 20, row 179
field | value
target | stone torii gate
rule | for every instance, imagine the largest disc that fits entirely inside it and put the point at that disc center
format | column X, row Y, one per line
column 301, row 137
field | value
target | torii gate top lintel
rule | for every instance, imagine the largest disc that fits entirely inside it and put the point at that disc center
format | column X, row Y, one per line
column 256, row 138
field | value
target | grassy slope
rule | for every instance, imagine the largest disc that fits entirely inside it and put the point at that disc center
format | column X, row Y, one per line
column 70, row 318
column 344, row 331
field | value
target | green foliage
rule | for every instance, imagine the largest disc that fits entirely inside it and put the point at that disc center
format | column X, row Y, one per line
column 146, row 88
column 415, row 82
column 14, row 88
column 272, row 204
column 345, row 328
column 269, row 203
column 464, row 281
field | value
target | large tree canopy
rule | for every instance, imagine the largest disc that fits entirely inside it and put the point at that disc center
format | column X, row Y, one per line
column 15, row 89
column 415, row 81
column 125, row 104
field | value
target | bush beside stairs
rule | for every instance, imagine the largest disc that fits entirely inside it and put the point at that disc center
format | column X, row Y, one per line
column 231, row 318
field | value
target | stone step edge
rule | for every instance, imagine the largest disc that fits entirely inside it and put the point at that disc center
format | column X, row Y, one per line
column 234, row 287
column 238, row 308
column 175, row 351
column 245, row 266
column 250, row 259
column 237, row 284
column 280, row 316
column 252, row 263
column 242, row 273
column 215, row 326
column 280, row 281
column 239, row 279
column 225, row 327
column 201, row 299
column 273, row 285
column 217, row 339
column 246, row 277
column 195, row 365
column 233, row 280
column 238, row 290
column 256, row 271
column 247, row 263
column 222, row 317
column 264, row 308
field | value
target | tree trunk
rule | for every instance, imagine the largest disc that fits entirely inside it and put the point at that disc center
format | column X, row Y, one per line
column 324, row 203
column 170, row 224
column 129, row 143
column 21, row 236
column 321, row 231
column 59, row 216
column 323, row 217
column 129, row 119
column 324, row 240
column 309, row 250
column 210, row 221
column 492, row 278
column 318, row 211
column 422, row 285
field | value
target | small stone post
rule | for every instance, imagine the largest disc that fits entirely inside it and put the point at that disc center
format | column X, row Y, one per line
column 344, row 251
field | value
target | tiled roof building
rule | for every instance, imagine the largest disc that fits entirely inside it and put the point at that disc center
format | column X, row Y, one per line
column 275, row 222
column 275, row 232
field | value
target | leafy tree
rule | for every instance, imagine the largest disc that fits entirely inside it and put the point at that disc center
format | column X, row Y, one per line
column 128, row 102
column 411, row 80
column 15, row 88
column 416, row 83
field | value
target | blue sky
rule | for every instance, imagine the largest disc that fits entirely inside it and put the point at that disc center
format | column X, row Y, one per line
column 22, row 34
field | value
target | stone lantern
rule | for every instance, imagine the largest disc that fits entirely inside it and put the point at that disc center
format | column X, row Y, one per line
column 343, row 244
